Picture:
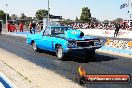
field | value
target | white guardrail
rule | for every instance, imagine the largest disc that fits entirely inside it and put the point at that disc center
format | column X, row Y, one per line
column 107, row 33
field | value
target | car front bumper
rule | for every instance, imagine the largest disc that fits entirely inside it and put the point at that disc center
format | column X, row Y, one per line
column 82, row 48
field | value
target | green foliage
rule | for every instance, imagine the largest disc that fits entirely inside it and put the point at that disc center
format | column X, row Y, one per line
column 23, row 16
column 106, row 22
column 85, row 15
column 29, row 18
column 118, row 20
column 94, row 20
column 3, row 16
column 14, row 17
column 40, row 14
column 68, row 20
column 65, row 21
column 77, row 19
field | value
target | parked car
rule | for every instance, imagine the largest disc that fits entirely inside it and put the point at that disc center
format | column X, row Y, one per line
column 64, row 40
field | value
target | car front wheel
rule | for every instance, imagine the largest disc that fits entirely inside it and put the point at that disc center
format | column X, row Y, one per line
column 59, row 52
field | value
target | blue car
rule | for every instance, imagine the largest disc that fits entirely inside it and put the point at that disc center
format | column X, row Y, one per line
column 64, row 40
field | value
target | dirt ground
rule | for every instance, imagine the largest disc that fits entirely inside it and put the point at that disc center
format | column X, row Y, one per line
column 25, row 74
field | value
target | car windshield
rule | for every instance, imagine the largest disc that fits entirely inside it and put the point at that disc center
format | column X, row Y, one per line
column 60, row 30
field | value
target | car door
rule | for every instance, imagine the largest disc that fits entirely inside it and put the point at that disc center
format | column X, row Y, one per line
column 46, row 41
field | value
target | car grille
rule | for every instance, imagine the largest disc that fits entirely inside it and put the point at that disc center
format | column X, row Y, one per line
column 85, row 43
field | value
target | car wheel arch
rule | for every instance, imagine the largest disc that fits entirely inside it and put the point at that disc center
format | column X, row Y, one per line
column 32, row 42
column 57, row 45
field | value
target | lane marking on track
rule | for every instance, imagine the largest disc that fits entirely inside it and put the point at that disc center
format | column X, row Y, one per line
column 5, row 82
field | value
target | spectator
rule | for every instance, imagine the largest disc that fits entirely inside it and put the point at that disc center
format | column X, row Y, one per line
column 33, row 27
column 37, row 27
column 30, row 27
column 8, row 27
column 41, row 26
column 16, row 27
column 21, row 27
column 117, row 27
column 0, row 28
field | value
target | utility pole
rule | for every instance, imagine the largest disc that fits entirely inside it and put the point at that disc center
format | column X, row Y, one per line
column 129, row 12
column 48, row 13
column 6, row 17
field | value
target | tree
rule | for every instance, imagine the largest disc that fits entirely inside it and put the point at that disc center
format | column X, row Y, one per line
column 85, row 15
column 77, row 19
column 23, row 16
column 29, row 18
column 3, row 16
column 106, row 22
column 94, row 20
column 118, row 19
column 68, row 19
column 40, row 14
column 8, row 17
column 14, row 17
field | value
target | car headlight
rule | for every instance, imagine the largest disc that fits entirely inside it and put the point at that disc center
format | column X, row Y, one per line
column 96, row 42
column 71, row 44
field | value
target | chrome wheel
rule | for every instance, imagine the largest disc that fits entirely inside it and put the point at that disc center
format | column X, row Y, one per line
column 59, row 52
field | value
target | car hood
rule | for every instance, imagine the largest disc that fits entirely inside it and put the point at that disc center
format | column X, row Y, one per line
column 75, row 35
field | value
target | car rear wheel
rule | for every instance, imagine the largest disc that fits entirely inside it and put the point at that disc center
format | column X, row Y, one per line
column 59, row 52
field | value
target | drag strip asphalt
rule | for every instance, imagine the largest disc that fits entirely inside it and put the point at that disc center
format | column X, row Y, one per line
column 103, row 63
